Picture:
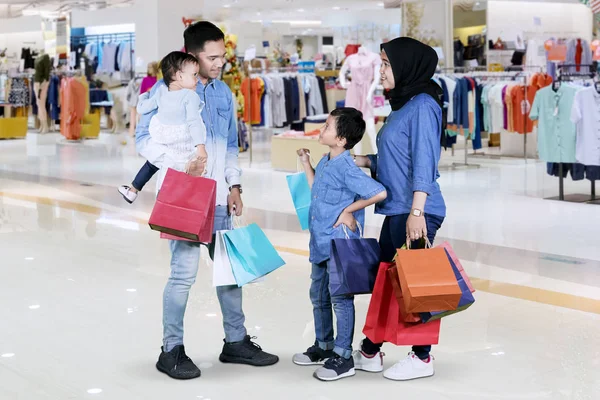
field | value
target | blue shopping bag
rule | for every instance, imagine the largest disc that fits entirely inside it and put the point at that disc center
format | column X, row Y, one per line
column 353, row 265
column 251, row 254
column 466, row 300
column 300, row 191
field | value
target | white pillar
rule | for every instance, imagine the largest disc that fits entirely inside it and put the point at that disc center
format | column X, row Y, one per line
column 159, row 27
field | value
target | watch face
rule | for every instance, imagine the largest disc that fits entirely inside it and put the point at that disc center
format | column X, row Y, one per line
column 417, row 213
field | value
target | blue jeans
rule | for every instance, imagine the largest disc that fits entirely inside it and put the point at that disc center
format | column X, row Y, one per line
column 322, row 305
column 185, row 258
column 393, row 237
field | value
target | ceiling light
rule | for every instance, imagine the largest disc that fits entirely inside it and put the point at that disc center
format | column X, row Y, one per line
column 29, row 258
column 132, row 290
column 226, row 6
column 301, row 10
column 8, row 355
column 336, row 8
column 381, row 4
column 34, row 307
column 94, row 391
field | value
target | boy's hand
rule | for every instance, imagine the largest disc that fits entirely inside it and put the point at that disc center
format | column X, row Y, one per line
column 195, row 167
column 347, row 219
column 304, row 155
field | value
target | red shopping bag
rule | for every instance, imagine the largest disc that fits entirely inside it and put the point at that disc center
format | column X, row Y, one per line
column 185, row 207
column 385, row 322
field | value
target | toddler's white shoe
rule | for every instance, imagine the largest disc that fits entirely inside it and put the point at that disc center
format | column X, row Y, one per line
column 412, row 367
column 128, row 194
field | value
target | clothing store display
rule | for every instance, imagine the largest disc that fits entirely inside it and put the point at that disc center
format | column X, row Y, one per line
column 459, row 53
column 147, row 83
column 557, row 134
column 586, row 115
column 28, row 56
column 252, row 89
column 42, row 68
column 19, row 92
column 73, row 94
column 362, row 66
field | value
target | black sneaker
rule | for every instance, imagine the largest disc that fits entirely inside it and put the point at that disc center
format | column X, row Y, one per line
column 335, row 368
column 313, row 356
column 246, row 352
column 177, row 364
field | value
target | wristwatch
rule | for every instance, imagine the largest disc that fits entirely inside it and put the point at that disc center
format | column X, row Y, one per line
column 416, row 212
column 238, row 187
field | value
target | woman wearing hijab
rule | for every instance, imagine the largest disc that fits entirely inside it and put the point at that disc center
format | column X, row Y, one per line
column 407, row 165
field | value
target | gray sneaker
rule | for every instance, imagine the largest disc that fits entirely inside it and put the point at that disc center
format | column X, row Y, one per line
column 335, row 368
column 313, row 356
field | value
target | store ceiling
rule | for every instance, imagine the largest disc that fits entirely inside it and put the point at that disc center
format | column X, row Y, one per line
column 17, row 8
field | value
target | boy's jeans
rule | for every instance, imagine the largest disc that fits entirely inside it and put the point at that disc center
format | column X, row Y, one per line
column 185, row 259
column 322, row 305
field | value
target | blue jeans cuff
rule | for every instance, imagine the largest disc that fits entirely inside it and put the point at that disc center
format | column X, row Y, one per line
column 343, row 352
column 325, row 345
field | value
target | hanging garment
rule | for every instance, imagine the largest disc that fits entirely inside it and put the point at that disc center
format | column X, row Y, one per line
column 73, row 106
column 362, row 67
column 147, row 83
column 252, row 89
column 109, row 54
column 20, row 92
column 133, row 92
column 586, row 115
column 323, row 95
column 557, row 134
column 53, row 98
column 125, row 63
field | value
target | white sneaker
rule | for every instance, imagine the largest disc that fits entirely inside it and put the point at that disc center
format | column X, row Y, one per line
column 410, row 368
column 364, row 362
column 128, row 194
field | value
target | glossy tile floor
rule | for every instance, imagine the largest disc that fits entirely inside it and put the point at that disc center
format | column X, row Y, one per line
column 82, row 275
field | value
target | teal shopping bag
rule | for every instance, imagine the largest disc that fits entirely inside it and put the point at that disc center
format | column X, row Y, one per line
column 300, row 191
column 251, row 254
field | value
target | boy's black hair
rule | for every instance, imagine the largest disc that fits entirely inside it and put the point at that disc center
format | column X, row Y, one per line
column 173, row 63
column 196, row 35
column 349, row 124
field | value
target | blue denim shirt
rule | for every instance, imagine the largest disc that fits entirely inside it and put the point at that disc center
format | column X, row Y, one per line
column 219, row 118
column 338, row 183
column 409, row 153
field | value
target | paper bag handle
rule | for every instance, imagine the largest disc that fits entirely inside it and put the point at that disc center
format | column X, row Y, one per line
column 360, row 230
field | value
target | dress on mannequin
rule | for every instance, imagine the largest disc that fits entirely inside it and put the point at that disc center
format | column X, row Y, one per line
column 40, row 88
column 364, row 67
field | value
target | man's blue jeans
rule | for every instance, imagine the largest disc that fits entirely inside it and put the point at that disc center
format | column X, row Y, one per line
column 185, row 259
column 322, row 313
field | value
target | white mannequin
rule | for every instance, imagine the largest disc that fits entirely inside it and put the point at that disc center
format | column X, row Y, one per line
column 369, row 121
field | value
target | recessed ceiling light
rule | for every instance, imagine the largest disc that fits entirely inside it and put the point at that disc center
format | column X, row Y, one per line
column 301, row 10
column 29, row 258
column 132, row 290
column 226, row 6
column 381, row 4
column 8, row 355
column 34, row 307
column 94, row 391
column 336, row 8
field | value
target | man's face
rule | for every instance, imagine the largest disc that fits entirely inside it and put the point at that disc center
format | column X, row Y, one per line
column 212, row 60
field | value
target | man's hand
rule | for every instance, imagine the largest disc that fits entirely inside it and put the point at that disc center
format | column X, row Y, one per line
column 235, row 202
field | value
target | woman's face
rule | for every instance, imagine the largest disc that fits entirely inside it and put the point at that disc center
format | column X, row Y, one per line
column 387, row 75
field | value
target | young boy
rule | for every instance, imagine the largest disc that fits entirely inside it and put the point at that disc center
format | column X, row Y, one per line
column 340, row 193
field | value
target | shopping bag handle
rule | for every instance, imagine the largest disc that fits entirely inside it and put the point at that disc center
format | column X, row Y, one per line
column 187, row 167
column 428, row 244
column 360, row 230
column 233, row 219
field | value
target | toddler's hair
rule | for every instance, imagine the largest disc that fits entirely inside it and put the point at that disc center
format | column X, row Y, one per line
column 173, row 63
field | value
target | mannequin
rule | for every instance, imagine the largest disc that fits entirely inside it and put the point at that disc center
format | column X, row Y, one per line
column 40, row 88
column 364, row 66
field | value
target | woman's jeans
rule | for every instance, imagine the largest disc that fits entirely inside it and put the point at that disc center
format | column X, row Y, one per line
column 185, row 259
column 393, row 237
column 343, row 306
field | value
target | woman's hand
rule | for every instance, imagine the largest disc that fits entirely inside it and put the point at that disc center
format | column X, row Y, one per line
column 346, row 218
column 362, row 161
column 416, row 228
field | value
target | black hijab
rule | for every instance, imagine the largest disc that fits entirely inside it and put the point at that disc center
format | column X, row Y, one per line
column 413, row 64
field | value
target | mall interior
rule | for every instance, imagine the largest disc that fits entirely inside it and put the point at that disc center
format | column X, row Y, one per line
column 85, row 260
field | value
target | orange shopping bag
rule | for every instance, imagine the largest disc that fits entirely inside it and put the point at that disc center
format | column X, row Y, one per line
column 427, row 280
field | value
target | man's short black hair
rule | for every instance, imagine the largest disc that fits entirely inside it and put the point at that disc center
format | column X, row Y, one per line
column 350, row 125
column 197, row 34
column 173, row 63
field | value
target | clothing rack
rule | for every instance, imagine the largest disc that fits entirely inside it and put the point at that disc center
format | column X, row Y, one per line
column 573, row 198
column 107, row 38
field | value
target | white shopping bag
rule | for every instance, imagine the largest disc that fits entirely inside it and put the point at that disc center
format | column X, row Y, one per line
column 222, row 273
